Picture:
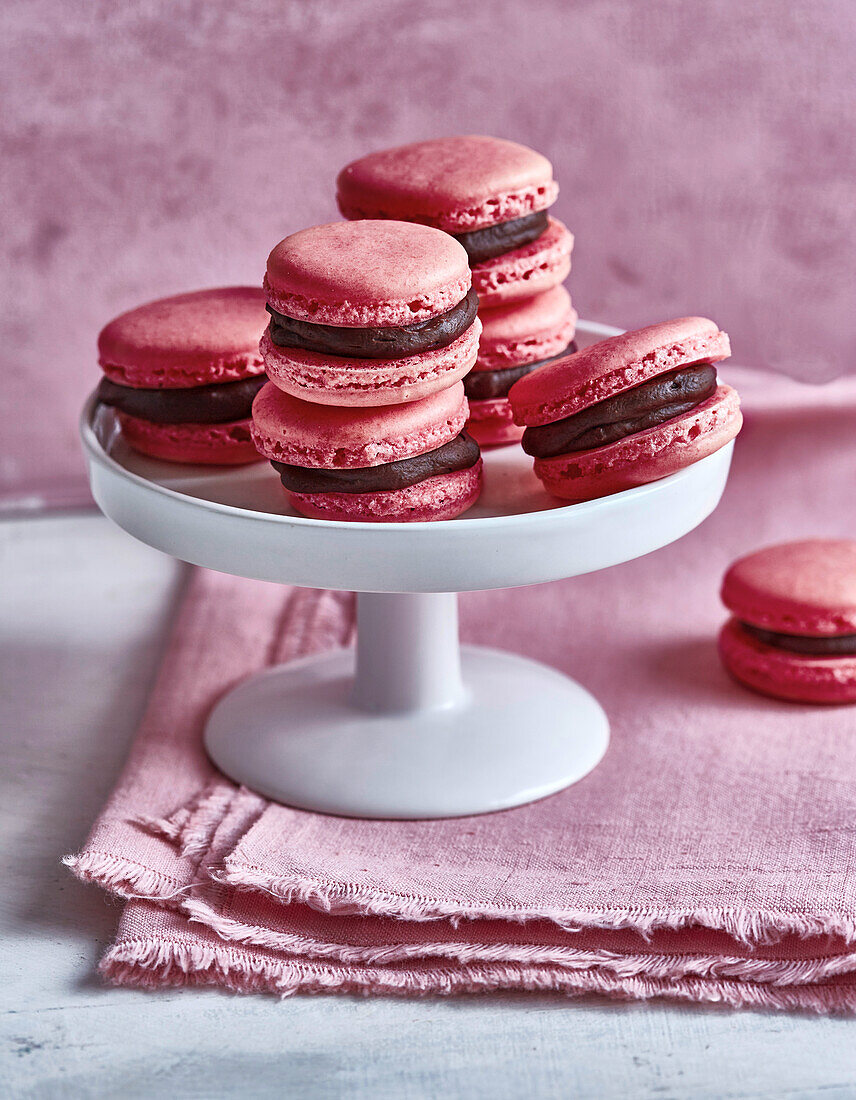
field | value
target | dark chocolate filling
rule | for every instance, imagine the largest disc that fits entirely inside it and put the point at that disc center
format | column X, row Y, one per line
column 844, row 645
column 494, row 240
column 459, row 454
column 645, row 406
column 375, row 343
column 482, row 385
column 217, row 404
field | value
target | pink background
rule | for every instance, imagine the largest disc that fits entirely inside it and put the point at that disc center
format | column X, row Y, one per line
column 705, row 152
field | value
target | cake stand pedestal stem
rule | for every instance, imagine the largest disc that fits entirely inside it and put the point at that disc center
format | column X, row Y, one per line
column 408, row 654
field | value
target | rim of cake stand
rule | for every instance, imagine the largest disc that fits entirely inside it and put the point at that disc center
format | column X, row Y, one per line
column 506, row 549
column 516, row 519
column 96, row 451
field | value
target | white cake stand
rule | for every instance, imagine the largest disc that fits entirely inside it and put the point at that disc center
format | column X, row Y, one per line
column 410, row 725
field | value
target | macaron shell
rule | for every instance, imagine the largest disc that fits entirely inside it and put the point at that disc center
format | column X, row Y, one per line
column 646, row 456
column 805, row 587
column 367, row 273
column 526, row 331
column 206, row 337
column 602, row 370
column 436, row 498
column 490, row 423
column 790, row 676
column 287, row 429
column 334, row 380
column 536, row 267
column 201, row 444
column 456, row 183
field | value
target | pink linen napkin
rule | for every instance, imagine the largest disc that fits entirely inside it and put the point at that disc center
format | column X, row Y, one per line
column 710, row 857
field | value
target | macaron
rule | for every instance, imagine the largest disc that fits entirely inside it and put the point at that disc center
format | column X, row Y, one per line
column 792, row 634
column 389, row 463
column 628, row 410
column 516, row 338
column 369, row 313
column 492, row 195
column 182, row 373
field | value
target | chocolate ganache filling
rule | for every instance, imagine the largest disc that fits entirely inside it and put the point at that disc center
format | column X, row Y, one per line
column 844, row 645
column 494, row 240
column 645, row 406
column 459, row 454
column 375, row 343
column 217, row 404
column 482, row 385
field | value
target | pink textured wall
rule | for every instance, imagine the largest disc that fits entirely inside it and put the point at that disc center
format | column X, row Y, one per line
column 705, row 152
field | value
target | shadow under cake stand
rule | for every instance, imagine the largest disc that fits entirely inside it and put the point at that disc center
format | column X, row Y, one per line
column 410, row 724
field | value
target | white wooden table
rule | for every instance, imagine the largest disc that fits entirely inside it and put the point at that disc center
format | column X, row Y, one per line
column 85, row 611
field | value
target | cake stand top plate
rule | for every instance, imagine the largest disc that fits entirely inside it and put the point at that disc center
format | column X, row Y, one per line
column 240, row 521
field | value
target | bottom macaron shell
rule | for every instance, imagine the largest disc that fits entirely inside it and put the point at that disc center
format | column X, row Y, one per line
column 436, row 498
column 525, row 271
column 646, row 456
column 791, row 676
column 358, row 383
column 490, row 423
column 204, row 444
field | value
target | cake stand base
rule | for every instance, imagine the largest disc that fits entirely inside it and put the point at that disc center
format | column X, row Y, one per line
column 410, row 725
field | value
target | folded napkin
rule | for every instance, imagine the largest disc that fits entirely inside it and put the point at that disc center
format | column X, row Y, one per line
column 710, row 857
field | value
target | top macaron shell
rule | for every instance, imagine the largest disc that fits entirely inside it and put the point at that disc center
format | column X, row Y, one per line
column 366, row 274
column 299, row 433
column 804, row 588
column 575, row 382
column 526, row 331
column 457, row 184
column 202, row 338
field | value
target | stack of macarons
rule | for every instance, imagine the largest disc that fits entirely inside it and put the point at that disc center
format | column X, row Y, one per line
column 516, row 338
column 628, row 410
column 431, row 321
column 493, row 196
column 182, row 374
column 372, row 326
column 792, row 633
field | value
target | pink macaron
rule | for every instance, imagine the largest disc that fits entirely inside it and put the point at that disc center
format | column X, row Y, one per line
column 389, row 463
column 369, row 313
column 182, row 374
column 628, row 410
column 792, row 634
column 491, row 195
column 516, row 338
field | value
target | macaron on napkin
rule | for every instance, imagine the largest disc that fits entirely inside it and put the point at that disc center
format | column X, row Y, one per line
column 709, row 857
column 792, row 633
